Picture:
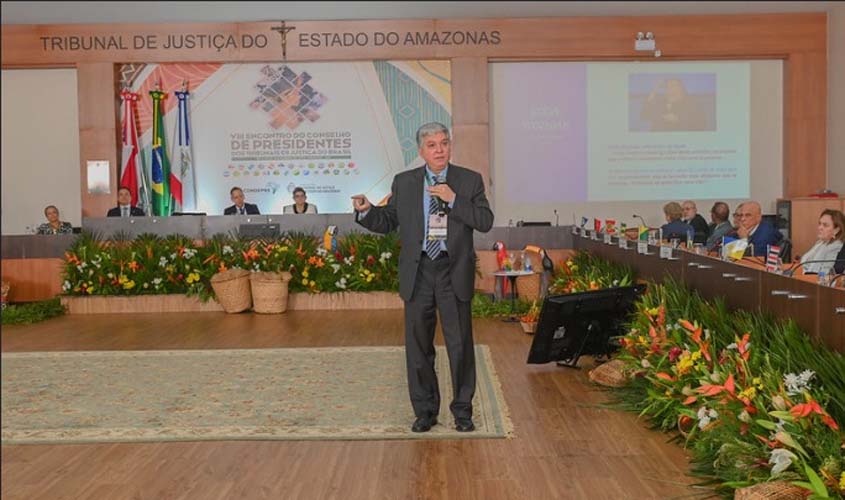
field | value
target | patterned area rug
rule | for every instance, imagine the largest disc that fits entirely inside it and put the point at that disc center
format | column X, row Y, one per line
column 265, row 394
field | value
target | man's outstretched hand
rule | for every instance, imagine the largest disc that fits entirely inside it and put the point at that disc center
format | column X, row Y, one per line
column 360, row 203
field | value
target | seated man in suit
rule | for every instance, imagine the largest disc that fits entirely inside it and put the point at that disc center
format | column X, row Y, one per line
column 124, row 206
column 240, row 208
column 694, row 219
column 752, row 227
column 720, row 227
column 675, row 227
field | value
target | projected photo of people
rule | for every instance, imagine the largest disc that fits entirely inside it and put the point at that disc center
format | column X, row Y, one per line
column 665, row 102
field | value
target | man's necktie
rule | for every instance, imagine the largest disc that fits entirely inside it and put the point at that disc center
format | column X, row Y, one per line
column 125, row 211
column 432, row 247
column 241, row 210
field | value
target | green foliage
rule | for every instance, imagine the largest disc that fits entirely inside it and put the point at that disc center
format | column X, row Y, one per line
column 32, row 312
column 483, row 306
column 727, row 381
column 585, row 272
column 150, row 264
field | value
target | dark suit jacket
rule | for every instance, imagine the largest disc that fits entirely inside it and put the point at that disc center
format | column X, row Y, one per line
column 133, row 211
column 470, row 211
column 251, row 209
column 766, row 234
column 702, row 230
column 676, row 229
column 839, row 267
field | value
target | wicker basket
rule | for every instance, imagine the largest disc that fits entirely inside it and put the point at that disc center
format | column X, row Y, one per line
column 232, row 290
column 529, row 328
column 775, row 490
column 610, row 374
column 528, row 286
column 270, row 292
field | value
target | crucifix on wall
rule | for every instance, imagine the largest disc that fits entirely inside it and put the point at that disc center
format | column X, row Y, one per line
column 283, row 30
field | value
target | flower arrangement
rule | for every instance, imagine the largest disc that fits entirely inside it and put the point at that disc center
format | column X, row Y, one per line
column 585, row 272
column 529, row 319
column 532, row 315
column 150, row 264
column 753, row 397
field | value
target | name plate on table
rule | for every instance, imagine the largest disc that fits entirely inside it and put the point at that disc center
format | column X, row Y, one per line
column 623, row 243
column 608, row 239
column 665, row 252
column 642, row 247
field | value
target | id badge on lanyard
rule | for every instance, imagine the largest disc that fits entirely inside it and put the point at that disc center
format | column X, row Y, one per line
column 437, row 222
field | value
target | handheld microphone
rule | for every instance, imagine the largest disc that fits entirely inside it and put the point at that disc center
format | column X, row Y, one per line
column 442, row 206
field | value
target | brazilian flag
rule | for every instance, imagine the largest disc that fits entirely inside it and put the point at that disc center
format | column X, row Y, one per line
column 162, row 204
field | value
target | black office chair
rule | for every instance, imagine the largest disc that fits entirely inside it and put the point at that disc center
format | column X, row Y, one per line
column 785, row 250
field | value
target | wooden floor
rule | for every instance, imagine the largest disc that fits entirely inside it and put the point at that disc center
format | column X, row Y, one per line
column 565, row 445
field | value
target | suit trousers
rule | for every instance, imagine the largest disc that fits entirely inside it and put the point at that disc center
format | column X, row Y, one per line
column 433, row 293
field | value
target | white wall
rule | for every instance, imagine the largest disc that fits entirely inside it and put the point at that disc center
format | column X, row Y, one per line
column 40, row 147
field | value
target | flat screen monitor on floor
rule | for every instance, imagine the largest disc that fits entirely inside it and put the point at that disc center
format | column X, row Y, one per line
column 575, row 324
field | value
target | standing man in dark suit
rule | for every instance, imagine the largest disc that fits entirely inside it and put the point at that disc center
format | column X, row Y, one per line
column 239, row 207
column 124, row 206
column 436, row 207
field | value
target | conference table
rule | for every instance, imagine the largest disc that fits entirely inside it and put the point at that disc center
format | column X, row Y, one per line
column 818, row 310
column 34, row 263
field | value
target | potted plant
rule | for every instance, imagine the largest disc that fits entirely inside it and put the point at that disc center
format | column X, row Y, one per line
column 529, row 319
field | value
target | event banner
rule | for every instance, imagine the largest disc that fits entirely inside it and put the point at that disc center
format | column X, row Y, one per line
column 334, row 129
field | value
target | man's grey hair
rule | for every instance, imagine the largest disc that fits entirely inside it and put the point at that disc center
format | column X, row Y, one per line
column 431, row 129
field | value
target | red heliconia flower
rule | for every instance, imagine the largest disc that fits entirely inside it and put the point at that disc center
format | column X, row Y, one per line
column 803, row 410
column 338, row 256
column 371, row 260
column 743, row 347
column 674, row 353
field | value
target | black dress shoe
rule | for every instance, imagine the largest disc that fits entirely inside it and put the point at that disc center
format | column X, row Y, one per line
column 464, row 424
column 424, row 423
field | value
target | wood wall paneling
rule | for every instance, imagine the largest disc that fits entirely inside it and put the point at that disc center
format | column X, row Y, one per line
column 738, row 36
column 805, row 123
column 98, row 131
column 32, row 279
column 805, row 216
column 471, row 150
column 470, row 91
column 798, row 38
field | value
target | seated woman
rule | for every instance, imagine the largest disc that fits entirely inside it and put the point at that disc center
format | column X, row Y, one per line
column 675, row 228
column 53, row 224
column 300, row 206
column 831, row 235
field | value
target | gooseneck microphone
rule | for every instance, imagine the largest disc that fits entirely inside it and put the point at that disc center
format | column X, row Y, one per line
column 640, row 217
column 791, row 270
column 557, row 219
